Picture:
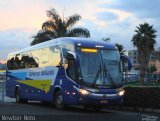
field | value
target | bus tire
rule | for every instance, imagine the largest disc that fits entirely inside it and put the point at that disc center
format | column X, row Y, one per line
column 58, row 100
column 18, row 98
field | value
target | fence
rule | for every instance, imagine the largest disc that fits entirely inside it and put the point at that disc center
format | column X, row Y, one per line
column 2, row 86
column 149, row 79
column 152, row 78
column 129, row 78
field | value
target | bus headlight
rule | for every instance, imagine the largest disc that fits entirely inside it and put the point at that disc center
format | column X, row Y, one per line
column 121, row 93
column 83, row 92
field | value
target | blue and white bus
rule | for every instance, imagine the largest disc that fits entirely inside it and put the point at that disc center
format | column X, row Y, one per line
column 66, row 71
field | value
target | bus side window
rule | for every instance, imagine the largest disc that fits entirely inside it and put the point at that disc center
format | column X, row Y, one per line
column 29, row 60
column 43, row 57
column 10, row 63
column 54, row 56
column 14, row 62
column 23, row 61
column 17, row 61
column 68, row 60
column 71, row 69
column 33, row 59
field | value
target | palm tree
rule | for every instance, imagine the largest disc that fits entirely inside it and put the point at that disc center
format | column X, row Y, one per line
column 42, row 36
column 120, row 49
column 59, row 27
column 144, row 40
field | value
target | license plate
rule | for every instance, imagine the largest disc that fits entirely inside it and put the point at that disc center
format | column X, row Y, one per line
column 103, row 101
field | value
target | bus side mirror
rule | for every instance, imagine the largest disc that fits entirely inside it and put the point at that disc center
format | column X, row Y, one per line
column 71, row 65
column 70, row 56
column 126, row 62
column 73, row 56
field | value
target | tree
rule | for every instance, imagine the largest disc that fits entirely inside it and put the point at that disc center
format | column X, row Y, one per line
column 59, row 27
column 144, row 40
column 152, row 68
column 120, row 49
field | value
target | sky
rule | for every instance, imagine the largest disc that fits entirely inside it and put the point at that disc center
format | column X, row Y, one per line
column 20, row 20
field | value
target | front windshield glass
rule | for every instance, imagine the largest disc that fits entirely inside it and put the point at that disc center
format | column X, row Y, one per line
column 90, row 64
column 100, row 67
column 112, row 65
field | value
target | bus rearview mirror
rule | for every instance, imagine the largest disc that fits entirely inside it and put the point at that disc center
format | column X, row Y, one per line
column 73, row 56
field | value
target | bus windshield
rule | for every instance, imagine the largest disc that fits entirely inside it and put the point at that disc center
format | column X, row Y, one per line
column 100, row 67
column 112, row 66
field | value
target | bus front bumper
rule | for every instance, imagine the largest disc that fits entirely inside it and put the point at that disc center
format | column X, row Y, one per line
column 100, row 99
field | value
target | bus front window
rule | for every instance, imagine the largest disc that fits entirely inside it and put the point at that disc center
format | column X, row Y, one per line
column 90, row 65
column 99, row 67
column 112, row 66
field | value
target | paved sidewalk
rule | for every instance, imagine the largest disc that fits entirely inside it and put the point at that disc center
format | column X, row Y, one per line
column 139, row 109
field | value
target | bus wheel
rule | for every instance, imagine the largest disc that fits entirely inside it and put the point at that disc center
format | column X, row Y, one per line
column 59, row 100
column 18, row 99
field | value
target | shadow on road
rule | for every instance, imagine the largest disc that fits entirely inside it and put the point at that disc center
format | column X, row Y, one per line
column 75, row 109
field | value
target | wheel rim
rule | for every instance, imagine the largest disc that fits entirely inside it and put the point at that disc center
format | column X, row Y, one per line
column 59, row 100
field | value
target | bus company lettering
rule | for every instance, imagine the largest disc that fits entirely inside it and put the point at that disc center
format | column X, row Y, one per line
column 47, row 73
column 34, row 74
column 41, row 73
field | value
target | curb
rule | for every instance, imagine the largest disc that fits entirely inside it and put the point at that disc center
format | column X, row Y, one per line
column 139, row 109
column 123, row 108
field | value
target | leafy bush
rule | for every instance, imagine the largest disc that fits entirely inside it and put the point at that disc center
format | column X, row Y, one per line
column 146, row 97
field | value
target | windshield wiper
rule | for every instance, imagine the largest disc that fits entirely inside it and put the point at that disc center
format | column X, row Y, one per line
column 106, row 72
column 97, row 75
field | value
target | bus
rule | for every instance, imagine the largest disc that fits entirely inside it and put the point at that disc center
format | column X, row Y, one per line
column 66, row 71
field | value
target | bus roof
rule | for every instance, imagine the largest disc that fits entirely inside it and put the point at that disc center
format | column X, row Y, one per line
column 77, row 41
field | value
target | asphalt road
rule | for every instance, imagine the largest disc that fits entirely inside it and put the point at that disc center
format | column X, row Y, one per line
column 40, row 112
